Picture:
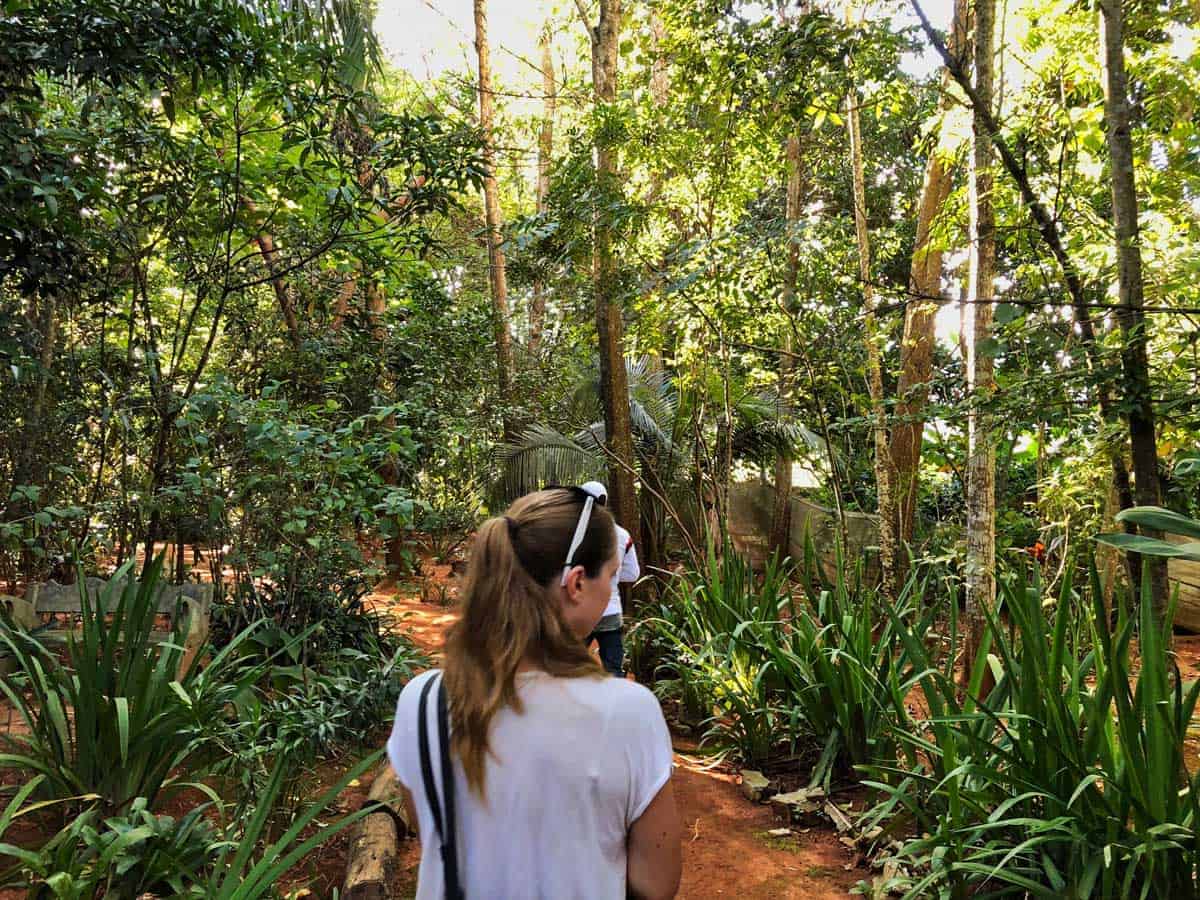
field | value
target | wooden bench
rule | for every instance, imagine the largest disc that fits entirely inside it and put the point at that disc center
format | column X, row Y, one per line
column 44, row 605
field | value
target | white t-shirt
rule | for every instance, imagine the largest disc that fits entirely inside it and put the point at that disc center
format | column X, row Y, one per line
column 627, row 572
column 565, row 781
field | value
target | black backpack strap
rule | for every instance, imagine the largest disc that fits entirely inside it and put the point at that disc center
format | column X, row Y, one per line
column 450, row 841
column 431, row 792
column 446, row 829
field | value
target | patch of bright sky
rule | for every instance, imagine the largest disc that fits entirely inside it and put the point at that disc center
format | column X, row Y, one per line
column 431, row 37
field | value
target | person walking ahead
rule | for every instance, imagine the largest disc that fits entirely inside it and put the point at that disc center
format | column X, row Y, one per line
column 607, row 633
column 559, row 778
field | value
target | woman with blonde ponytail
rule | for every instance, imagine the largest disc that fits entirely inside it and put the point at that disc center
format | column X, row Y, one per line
column 530, row 773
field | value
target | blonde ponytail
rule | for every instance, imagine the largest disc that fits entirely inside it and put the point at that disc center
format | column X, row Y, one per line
column 510, row 615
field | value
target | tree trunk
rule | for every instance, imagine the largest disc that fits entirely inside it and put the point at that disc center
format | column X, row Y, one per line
column 614, row 380
column 159, row 465
column 283, row 292
column 874, row 338
column 491, row 204
column 981, row 382
column 29, row 465
column 537, row 307
column 916, row 349
column 1054, row 234
column 781, row 514
column 342, row 304
column 1135, row 366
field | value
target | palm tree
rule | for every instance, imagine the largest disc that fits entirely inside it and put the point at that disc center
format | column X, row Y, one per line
column 670, row 454
column 346, row 25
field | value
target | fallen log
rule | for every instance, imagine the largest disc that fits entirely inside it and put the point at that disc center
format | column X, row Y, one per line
column 375, row 842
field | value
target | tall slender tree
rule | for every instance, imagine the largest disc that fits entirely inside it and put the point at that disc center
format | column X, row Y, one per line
column 1054, row 234
column 537, row 306
column 981, row 379
column 888, row 549
column 920, row 313
column 614, row 381
column 1135, row 366
column 781, row 514
column 495, row 238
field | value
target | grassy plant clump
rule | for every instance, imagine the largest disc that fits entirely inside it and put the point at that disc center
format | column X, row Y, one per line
column 780, row 659
column 713, row 663
column 115, row 718
column 1068, row 778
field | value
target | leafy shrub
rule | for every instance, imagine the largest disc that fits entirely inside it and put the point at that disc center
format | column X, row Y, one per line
column 115, row 719
column 1068, row 778
column 306, row 712
column 345, row 705
column 123, row 857
column 778, row 664
column 445, row 527
column 140, row 852
column 286, row 485
column 322, row 600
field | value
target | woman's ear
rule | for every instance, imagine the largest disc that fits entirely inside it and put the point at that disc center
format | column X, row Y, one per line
column 574, row 584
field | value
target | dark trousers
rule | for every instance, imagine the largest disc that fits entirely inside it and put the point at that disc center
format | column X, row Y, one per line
column 612, row 651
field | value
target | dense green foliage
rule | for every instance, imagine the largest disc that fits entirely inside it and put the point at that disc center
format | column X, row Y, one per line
column 115, row 727
column 245, row 312
column 1066, row 778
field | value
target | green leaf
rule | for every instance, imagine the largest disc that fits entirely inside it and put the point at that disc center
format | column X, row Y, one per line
column 122, row 704
column 1188, row 467
column 1006, row 312
column 1159, row 519
column 991, row 347
column 1136, row 543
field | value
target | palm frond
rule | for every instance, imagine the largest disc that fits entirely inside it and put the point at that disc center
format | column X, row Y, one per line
column 542, row 455
column 767, row 426
column 654, row 402
column 344, row 24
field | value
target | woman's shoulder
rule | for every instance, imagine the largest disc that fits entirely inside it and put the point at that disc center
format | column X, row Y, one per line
column 418, row 682
column 402, row 744
column 630, row 705
column 410, row 694
column 630, row 692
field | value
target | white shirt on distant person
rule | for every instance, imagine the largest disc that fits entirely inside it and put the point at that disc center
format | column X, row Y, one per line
column 627, row 573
